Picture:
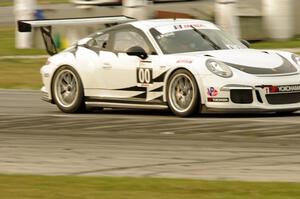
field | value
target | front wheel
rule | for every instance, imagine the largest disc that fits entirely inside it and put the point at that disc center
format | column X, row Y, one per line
column 182, row 93
column 67, row 90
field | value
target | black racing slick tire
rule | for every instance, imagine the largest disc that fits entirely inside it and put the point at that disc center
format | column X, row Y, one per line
column 183, row 94
column 67, row 90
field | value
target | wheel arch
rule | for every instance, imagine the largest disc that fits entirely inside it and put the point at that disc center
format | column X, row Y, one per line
column 195, row 75
column 54, row 73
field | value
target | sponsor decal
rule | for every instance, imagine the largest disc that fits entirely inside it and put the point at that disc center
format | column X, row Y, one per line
column 184, row 61
column 289, row 88
column 145, row 64
column 217, row 99
column 282, row 89
column 188, row 26
column 212, row 91
column 178, row 27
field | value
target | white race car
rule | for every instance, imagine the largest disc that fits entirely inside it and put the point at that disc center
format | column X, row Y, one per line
column 185, row 65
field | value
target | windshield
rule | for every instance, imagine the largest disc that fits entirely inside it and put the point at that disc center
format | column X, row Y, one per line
column 193, row 40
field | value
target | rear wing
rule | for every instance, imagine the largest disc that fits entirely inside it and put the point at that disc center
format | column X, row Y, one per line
column 46, row 26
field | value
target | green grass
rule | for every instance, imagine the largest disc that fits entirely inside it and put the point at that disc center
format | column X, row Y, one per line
column 20, row 74
column 7, row 41
column 10, row 2
column 293, row 43
column 43, row 187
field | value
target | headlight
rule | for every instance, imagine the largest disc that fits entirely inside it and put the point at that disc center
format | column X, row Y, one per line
column 219, row 68
column 296, row 59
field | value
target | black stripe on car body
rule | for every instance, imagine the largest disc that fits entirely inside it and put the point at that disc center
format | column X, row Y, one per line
column 156, row 101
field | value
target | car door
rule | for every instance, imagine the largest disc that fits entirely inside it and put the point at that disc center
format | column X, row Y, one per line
column 128, row 77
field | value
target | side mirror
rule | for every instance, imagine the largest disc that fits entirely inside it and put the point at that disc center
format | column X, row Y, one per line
column 137, row 51
column 246, row 43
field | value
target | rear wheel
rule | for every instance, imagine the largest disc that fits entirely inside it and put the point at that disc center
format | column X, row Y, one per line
column 182, row 93
column 67, row 90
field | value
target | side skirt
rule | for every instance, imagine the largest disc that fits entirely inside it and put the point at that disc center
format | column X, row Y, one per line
column 123, row 103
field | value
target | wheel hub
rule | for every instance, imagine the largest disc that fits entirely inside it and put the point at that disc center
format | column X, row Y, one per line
column 181, row 92
column 66, row 88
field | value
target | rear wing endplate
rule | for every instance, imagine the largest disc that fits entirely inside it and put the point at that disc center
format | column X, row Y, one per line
column 46, row 26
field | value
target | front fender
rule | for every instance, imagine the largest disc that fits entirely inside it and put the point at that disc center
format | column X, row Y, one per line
column 53, row 64
column 197, row 68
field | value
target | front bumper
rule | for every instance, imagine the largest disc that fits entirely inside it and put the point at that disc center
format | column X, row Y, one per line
column 247, row 96
column 45, row 95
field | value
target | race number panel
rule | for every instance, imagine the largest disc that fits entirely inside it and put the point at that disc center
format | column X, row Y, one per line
column 144, row 76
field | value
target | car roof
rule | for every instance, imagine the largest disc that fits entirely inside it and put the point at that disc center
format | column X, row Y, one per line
column 154, row 23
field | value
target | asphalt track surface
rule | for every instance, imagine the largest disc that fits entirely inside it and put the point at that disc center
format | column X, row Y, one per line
column 36, row 138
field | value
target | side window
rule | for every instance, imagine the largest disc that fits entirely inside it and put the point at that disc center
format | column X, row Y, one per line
column 100, row 42
column 126, row 39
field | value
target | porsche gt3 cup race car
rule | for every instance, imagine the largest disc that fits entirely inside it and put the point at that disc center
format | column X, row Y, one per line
column 185, row 65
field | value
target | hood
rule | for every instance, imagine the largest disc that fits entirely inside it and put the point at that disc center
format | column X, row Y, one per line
column 252, row 61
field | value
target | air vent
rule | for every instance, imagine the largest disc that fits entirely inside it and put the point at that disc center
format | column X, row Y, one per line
column 241, row 96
